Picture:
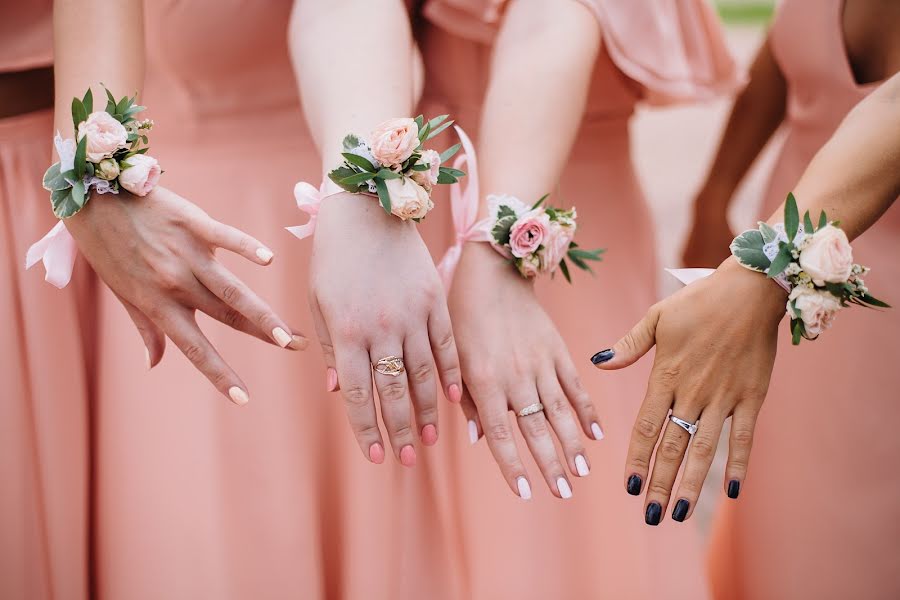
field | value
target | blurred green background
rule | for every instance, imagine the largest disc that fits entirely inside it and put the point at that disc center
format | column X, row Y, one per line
column 749, row 12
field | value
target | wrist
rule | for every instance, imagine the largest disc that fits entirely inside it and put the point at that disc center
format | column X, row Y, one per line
column 755, row 289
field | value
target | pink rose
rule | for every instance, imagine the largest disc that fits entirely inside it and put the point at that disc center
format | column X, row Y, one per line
column 529, row 232
column 556, row 245
column 394, row 141
column 428, row 179
column 828, row 256
column 104, row 135
column 815, row 308
column 409, row 200
column 140, row 174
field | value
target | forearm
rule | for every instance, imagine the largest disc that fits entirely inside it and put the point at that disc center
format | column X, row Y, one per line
column 113, row 54
column 354, row 66
column 540, row 73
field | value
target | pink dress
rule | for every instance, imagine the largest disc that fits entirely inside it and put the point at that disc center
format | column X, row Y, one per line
column 818, row 516
column 44, row 355
column 595, row 545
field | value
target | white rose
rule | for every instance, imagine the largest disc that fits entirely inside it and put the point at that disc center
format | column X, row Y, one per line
column 409, row 200
column 828, row 256
column 428, row 179
column 140, row 174
column 105, row 135
column 815, row 308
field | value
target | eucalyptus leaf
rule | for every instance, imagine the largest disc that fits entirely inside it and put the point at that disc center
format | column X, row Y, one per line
column 438, row 130
column 423, row 132
column 88, row 101
column 768, row 233
column 359, row 161
column 791, row 217
column 823, row 220
column 80, row 151
column 748, row 250
column 421, row 167
column 807, row 223
column 420, row 122
column 437, row 120
column 564, row 267
column 446, row 178
column 449, row 152
column 387, row 174
column 383, row 196
column 540, row 201
column 452, row 171
column 780, row 262
column 358, row 178
column 874, row 301
column 78, row 113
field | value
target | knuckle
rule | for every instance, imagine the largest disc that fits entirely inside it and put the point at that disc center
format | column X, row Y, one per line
column 690, row 486
column 421, row 373
column 356, row 396
column 659, row 489
column 535, row 427
column 393, row 391
column 703, row 447
column 742, row 435
column 640, row 463
column 500, row 432
column 737, row 463
column 327, row 349
column 195, row 353
column 348, row 331
column 385, row 320
column 445, row 342
column 230, row 292
column 367, row 430
column 168, row 278
column 402, row 431
column 670, row 450
column 428, row 414
column 646, row 429
column 557, row 407
column 669, row 375
column 232, row 317
column 244, row 244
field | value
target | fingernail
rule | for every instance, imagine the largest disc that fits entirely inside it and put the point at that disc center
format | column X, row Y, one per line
column 603, row 356
column 653, row 514
column 238, row 396
column 563, row 486
column 330, row 380
column 634, row 485
column 524, row 488
column 407, row 456
column 734, row 488
column 454, row 394
column 376, row 453
column 596, row 431
column 298, row 342
column 147, row 356
column 264, row 254
column 282, row 337
column 681, row 510
column 473, row 432
column 581, row 466
column 429, row 435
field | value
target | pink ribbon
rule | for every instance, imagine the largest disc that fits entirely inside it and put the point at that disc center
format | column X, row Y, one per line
column 57, row 250
column 308, row 200
column 464, row 203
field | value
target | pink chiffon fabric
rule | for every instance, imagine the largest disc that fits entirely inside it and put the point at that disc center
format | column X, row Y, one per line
column 818, row 515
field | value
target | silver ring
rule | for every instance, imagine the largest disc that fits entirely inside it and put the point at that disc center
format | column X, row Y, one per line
column 531, row 409
column 691, row 428
column 389, row 365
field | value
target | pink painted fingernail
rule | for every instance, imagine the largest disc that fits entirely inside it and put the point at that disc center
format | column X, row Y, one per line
column 429, row 435
column 330, row 380
column 407, row 456
column 376, row 453
column 238, row 396
column 454, row 394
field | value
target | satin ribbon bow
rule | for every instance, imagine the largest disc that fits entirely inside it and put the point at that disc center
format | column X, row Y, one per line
column 57, row 250
column 308, row 200
column 464, row 208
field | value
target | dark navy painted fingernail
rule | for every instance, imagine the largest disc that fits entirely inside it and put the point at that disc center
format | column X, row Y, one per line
column 734, row 488
column 654, row 512
column 681, row 510
column 603, row 356
column 634, row 485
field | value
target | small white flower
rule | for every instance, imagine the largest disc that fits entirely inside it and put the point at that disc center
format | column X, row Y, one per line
column 792, row 269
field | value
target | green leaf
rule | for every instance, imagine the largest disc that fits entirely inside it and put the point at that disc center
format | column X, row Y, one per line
column 540, row 201
column 874, row 301
column 500, row 231
column 452, row 171
column 587, row 254
column 505, row 211
column 747, row 248
column 88, row 101
column 807, row 223
column 564, row 267
column 796, row 325
column 421, row 167
column 122, row 105
column 79, row 196
column 359, row 161
column 54, row 180
column 339, row 174
column 791, row 217
column 446, row 178
column 387, row 174
column 420, row 122
column 351, row 141
column 438, row 130
column 768, row 233
column 110, row 102
column 449, row 152
column 579, row 262
column 62, row 203
column 423, row 131
column 383, row 196
column 437, row 121
column 358, row 178
column 78, row 113
column 780, row 262
column 823, row 220
column 80, row 151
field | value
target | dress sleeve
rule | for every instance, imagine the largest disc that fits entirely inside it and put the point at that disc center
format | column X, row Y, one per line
column 675, row 49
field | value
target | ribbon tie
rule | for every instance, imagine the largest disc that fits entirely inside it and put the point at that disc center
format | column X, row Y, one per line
column 57, row 250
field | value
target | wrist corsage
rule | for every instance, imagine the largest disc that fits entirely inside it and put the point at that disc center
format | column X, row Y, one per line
column 814, row 264
column 105, row 156
column 393, row 165
column 538, row 238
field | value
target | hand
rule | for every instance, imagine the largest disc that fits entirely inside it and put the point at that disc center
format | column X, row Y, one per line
column 512, row 357
column 710, row 235
column 157, row 255
column 715, row 347
column 374, row 292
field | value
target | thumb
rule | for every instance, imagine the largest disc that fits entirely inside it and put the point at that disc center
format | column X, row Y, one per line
column 630, row 348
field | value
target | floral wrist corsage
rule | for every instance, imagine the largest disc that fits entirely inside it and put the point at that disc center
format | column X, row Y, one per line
column 106, row 156
column 393, row 165
column 813, row 264
column 537, row 239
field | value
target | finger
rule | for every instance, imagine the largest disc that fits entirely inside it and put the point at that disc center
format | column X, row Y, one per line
column 568, row 377
column 740, row 442
column 353, row 363
column 235, row 293
column 473, row 423
column 331, row 377
column 423, row 385
column 647, row 425
column 393, row 393
column 443, row 347
column 492, row 408
column 182, row 329
column 701, row 453
column 154, row 338
column 669, row 455
column 233, row 239
column 634, row 345
column 536, row 431
column 562, row 418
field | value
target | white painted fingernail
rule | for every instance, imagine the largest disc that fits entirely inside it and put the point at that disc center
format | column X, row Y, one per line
column 238, row 396
column 563, row 486
column 264, row 254
column 282, row 337
column 581, row 466
column 473, row 432
column 596, row 431
column 524, row 488
column 147, row 356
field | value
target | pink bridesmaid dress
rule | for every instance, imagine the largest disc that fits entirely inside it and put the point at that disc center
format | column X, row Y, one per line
column 818, row 516
column 44, row 354
column 595, row 545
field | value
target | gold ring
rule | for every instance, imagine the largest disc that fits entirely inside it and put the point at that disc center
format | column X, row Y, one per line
column 390, row 365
